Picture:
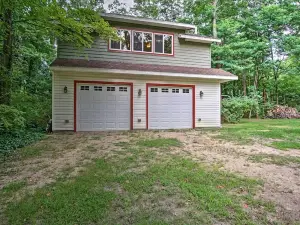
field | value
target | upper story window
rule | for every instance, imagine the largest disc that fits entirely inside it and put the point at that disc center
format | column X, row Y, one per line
column 125, row 43
column 144, row 41
column 163, row 43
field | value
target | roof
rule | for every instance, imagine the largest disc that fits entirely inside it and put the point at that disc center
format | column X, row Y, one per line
column 146, row 69
column 198, row 38
column 151, row 22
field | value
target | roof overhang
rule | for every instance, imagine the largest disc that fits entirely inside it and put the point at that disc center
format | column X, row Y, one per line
column 221, row 78
column 200, row 39
column 145, row 21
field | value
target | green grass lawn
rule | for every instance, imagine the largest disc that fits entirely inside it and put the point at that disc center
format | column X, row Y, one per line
column 282, row 134
column 140, row 185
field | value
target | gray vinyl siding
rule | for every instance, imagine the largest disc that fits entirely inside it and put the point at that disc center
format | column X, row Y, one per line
column 207, row 108
column 185, row 53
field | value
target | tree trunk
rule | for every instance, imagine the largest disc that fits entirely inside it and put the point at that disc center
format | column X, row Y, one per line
column 6, row 61
column 214, row 18
column 264, row 95
column 244, row 84
column 214, row 23
column 256, row 78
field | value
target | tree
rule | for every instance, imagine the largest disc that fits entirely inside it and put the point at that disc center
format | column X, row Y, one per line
column 118, row 8
column 65, row 20
column 158, row 9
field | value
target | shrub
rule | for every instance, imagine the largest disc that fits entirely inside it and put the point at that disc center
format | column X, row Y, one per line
column 11, row 119
column 234, row 109
column 36, row 108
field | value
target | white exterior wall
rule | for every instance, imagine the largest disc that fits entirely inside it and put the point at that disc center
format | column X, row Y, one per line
column 207, row 107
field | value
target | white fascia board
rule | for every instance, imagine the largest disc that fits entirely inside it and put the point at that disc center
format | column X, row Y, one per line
column 145, row 21
column 146, row 73
column 193, row 38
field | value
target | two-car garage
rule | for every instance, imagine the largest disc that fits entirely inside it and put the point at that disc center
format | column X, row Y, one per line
column 102, row 106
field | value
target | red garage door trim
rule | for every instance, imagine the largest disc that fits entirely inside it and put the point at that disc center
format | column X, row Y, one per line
column 172, row 85
column 102, row 82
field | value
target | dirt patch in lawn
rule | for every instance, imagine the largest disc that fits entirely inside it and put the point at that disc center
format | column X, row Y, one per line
column 67, row 154
column 281, row 182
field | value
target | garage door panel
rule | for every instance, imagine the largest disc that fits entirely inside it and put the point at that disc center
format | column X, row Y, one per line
column 97, row 115
column 84, row 106
column 124, row 98
column 99, row 105
column 97, row 125
column 123, row 125
column 99, row 97
column 169, row 110
column 110, row 125
column 123, row 106
column 103, row 107
column 86, row 115
column 85, row 126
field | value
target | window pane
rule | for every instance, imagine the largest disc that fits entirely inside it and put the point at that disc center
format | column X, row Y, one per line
column 114, row 44
column 147, row 42
column 159, row 43
column 125, row 34
column 167, row 44
column 138, row 41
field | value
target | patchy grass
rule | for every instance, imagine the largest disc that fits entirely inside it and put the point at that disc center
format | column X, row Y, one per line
column 283, row 134
column 13, row 187
column 284, row 145
column 160, row 143
column 276, row 159
column 138, row 185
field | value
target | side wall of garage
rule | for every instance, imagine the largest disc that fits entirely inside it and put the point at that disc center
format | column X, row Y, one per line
column 207, row 108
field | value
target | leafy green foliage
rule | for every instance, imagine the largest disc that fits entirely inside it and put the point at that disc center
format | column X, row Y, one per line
column 289, row 91
column 234, row 109
column 11, row 141
column 36, row 107
column 11, row 119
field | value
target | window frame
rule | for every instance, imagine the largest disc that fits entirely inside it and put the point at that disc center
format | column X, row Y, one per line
column 120, row 49
column 132, row 30
column 163, row 42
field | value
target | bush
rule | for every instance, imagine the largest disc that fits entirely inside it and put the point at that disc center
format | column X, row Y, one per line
column 234, row 109
column 36, row 108
column 11, row 119
column 11, row 141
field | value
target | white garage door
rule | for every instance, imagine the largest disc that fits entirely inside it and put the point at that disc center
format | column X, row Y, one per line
column 103, row 107
column 170, row 108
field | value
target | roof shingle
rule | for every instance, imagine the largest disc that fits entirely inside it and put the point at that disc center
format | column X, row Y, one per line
column 139, row 67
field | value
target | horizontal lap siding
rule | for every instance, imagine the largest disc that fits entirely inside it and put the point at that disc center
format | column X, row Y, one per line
column 207, row 107
column 186, row 54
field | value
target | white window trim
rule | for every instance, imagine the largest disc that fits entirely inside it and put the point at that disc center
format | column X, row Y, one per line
column 163, row 40
column 153, row 43
column 132, row 40
column 120, row 49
